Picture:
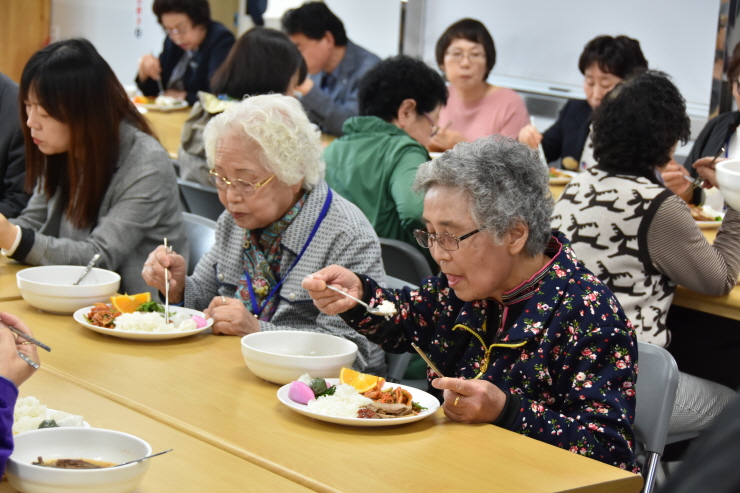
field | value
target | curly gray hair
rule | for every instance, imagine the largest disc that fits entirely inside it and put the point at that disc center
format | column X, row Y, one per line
column 277, row 129
column 504, row 182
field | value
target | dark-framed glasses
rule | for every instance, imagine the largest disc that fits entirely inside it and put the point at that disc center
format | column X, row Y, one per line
column 445, row 241
column 176, row 32
column 244, row 188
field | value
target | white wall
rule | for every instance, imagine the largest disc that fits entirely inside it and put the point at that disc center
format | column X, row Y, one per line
column 538, row 42
column 110, row 25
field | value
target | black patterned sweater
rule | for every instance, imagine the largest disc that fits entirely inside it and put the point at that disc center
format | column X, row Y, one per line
column 560, row 343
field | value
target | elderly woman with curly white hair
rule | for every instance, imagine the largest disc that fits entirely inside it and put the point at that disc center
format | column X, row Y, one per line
column 282, row 222
column 528, row 338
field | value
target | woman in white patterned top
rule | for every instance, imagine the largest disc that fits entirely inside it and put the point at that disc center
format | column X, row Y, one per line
column 639, row 237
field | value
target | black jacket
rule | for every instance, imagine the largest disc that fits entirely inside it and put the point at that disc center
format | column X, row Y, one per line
column 209, row 57
column 568, row 134
column 12, row 151
column 715, row 135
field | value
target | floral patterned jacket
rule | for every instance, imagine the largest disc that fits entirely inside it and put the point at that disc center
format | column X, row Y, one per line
column 570, row 356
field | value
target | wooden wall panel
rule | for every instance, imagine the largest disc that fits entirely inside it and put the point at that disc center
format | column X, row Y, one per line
column 24, row 29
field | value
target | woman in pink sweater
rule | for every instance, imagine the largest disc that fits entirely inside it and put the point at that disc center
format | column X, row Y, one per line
column 466, row 54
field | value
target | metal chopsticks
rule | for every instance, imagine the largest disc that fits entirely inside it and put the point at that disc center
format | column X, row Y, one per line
column 426, row 358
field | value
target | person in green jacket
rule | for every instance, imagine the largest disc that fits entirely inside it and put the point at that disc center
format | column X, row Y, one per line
column 374, row 163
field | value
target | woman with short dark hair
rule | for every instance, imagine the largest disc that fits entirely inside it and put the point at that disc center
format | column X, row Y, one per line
column 466, row 54
column 374, row 163
column 263, row 61
column 639, row 237
column 604, row 62
column 101, row 182
column 194, row 49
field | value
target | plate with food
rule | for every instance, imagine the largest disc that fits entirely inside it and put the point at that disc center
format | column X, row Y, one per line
column 159, row 103
column 143, row 325
column 29, row 414
column 560, row 176
column 394, row 404
column 706, row 217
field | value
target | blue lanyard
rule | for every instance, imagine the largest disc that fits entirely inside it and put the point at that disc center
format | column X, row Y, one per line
column 257, row 310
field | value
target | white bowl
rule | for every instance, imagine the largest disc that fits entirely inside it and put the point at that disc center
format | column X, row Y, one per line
column 728, row 179
column 281, row 356
column 76, row 443
column 50, row 287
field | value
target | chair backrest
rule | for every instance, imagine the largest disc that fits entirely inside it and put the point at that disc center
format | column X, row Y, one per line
column 201, row 200
column 657, row 382
column 403, row 261
column 201, row 234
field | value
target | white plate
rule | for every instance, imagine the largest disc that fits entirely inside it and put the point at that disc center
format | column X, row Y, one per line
column 79, row 316
column 562, row 180
column 179, row 105
column 709, row 224
column 424, row 399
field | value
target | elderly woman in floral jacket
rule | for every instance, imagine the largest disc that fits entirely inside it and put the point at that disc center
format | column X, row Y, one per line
column 530, row 340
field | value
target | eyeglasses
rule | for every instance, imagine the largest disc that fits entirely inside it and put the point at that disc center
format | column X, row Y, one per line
column 473, row 56
column 445, row 241
column 176, row 32
column 243, row 188
column 435, row 127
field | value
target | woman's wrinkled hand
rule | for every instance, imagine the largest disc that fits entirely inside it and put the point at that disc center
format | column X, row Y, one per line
column 149, row 68
column 470, row 401
column 705, row 168
column 153, row 272
column 328, row 301
column 231, row 317
column 12, row 366
column 445, row 139
column 530, row 136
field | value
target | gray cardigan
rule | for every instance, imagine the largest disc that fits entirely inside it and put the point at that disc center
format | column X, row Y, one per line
column 140, row 208
column 12, row 151
column 345, row 238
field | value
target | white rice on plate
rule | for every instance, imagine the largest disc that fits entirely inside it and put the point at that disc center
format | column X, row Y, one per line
column 345, row 402
column 29, row 413
column 154, row 322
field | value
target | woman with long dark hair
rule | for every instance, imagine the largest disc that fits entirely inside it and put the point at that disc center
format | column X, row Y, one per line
column 101, row 182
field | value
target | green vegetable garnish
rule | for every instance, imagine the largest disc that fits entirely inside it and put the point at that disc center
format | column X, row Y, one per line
column 150, row 306
column 48, row 423
column 329, row 391
column 417, row 407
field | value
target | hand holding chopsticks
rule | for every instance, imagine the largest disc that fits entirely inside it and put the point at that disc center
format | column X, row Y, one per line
column 9, row 366
column 699, row 182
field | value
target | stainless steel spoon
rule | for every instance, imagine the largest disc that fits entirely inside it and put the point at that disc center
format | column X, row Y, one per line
column 143, row 458
column 88, row 268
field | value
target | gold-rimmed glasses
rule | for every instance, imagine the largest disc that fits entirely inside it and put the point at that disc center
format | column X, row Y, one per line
column 446, row 241
column 243, row 188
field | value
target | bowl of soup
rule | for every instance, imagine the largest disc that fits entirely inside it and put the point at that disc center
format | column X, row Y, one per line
column 95, row 446
column 281, row 356
column 51, row 287
column 728, row 179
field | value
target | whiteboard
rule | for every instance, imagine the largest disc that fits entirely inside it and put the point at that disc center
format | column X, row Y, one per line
column 538, row 42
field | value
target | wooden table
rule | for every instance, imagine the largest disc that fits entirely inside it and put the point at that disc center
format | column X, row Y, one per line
column 201, row 386
column 167, row 126
column 8, row 285
column 193, row 465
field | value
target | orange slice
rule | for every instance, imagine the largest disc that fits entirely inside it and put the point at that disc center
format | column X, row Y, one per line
column 361, row 381
column 129, row 304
